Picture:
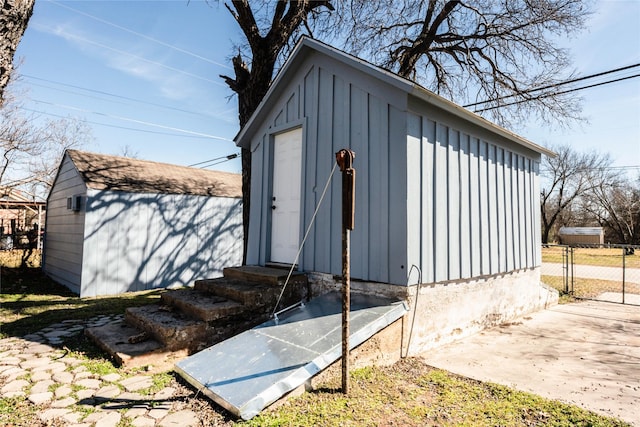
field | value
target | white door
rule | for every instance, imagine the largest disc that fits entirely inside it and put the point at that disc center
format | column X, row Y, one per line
column 285, row 203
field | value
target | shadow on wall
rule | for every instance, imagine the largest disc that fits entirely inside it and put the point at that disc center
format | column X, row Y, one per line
column 142, row 241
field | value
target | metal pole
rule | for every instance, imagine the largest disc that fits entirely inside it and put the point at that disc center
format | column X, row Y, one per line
column 344, row 158
column 346, row 306
column 39, row 243
column 624, row 270
column 565, row 267
column 573, row 270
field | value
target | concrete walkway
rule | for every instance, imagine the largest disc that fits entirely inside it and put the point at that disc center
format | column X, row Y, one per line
column 586, row 353
column 631, row 275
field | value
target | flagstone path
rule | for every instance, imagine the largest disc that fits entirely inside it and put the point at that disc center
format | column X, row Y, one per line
column 33, row 368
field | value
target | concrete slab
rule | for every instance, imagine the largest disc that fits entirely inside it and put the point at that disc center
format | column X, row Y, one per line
column 632, row 299
column 586, row 353
column 248, row 372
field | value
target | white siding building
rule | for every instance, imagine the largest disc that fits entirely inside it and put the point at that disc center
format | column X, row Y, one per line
column 117, row 224
column 439, row 190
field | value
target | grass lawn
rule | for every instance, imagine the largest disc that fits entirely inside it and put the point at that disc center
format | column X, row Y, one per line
column 30, row 301
column 409, row 393
column 589, row 288
column 605, row 257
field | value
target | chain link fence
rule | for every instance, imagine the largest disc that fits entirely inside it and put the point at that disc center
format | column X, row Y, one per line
column 604, row 273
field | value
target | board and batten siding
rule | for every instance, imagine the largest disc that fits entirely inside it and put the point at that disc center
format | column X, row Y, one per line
column 141, row 241
column 471, row 209
column 434, row 189
column 64, row 228
column 339, row 107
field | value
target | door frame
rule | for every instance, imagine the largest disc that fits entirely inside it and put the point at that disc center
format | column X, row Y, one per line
column 268, row 203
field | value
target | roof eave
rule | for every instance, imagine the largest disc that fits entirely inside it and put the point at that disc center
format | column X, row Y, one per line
column 240, row 139
column 307, row 44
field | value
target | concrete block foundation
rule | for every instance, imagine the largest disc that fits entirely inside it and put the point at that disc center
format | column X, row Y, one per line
column 445, row 312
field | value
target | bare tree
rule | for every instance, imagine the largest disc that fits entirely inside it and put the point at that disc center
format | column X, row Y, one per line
column 492, row 55
column 56, row 136
column 19, row 140
column 267, row 33
column 565, row 179
column 615, row 205
column 499, row 56
column 14, row 17
column 31, row 149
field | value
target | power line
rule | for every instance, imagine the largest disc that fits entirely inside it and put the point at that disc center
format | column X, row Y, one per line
column 591, row 76
column 546, row 95
column 144, row 36
column 217, row 161
column 159, row 64
column 142, row 122
column 109, row 94
column 203, row 136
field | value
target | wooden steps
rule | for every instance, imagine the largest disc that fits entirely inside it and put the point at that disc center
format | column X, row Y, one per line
column 190, row 319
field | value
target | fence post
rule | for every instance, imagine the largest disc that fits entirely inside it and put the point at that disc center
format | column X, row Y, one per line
column 573, row 266
column 624, row 270
column 565, row 267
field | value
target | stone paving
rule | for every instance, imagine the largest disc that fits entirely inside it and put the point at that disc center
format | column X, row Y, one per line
column 32, row 367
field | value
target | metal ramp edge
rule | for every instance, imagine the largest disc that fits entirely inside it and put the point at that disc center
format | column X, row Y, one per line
column 249, row 371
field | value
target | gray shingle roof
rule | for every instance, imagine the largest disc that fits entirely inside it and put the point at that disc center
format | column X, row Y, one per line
column 104, row 172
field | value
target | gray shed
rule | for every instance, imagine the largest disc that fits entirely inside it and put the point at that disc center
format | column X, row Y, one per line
column 118, row 224
column 439, row 190
column 581, row 235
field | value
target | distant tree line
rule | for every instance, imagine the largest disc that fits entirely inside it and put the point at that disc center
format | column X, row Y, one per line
column 584, row 190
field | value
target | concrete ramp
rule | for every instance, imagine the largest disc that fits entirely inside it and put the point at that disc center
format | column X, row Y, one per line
column 248, row 372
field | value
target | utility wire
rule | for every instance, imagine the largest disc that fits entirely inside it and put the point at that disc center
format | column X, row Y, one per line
column 159, row 64
column 144, row 36
column 204, row 136
column 128, row 119
column 142, row 122
column 548, row 94
column 228, row 157
column 591, row 76
column 107, row 94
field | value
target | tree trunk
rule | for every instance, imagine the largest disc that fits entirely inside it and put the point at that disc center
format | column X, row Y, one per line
column 14, row 17
column 251, row 84
column 250, row 87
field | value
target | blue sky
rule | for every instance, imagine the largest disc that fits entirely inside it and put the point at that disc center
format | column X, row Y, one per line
column 144, row 75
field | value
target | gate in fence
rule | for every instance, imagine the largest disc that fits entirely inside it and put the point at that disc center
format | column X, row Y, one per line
column 604, row 273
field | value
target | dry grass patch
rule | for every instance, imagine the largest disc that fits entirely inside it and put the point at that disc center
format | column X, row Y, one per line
column 604, row 257
column 410, row 393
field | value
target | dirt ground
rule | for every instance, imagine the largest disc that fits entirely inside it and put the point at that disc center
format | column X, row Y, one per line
column 584, row 353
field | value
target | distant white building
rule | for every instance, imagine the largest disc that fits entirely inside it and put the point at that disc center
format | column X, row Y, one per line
column 581, row 235
column 117, row 224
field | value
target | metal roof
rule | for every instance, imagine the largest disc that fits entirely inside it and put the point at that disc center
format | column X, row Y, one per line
column 105, row 172
column 307, row 45
column 582, row 231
